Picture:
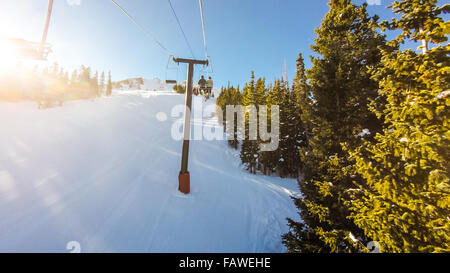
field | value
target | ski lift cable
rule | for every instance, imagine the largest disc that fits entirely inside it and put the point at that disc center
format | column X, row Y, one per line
column 211, row 70
column 141, row 27
column 203, row 28
column 181, row 28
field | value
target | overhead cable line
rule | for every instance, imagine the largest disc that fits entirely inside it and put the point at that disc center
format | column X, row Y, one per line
column 203, row 28
column 142, row 27
column 181, row 28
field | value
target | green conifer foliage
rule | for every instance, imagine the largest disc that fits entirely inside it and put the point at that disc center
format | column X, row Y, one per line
column 253, row 95
column 405, row 205
column 233, row 97
column 271, row 160
column 333, row 104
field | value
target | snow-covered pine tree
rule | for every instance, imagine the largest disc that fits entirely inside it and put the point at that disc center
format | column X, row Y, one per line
column 405, row 205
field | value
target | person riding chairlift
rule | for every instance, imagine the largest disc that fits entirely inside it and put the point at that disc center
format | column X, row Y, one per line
column 209, row 86
column 202, row 85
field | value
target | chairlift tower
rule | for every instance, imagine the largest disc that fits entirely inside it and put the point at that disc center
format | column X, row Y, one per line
column 184, row 183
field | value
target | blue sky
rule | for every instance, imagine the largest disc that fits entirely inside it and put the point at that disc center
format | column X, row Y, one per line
column 242, row 35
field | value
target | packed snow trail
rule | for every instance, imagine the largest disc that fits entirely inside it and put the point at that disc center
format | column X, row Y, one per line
column 104, row 173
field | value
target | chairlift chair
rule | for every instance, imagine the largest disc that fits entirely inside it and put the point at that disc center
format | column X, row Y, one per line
column 30, row 50
column 34, row 50
column 171, row 81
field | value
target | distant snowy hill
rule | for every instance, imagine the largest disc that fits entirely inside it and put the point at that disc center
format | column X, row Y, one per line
column 154, row 84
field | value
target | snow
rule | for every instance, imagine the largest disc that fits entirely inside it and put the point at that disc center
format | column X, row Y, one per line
column 149, row 84
column 353, row 238
column 365, row 132
column 443, row 94
column 104, row 174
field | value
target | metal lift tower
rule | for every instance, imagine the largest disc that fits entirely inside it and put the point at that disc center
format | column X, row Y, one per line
column 184, row 185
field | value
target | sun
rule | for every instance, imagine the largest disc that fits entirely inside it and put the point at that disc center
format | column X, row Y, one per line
column 9, row 55
column 16, row 52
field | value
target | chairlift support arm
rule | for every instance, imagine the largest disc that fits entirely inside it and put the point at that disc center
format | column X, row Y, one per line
column 190, row 61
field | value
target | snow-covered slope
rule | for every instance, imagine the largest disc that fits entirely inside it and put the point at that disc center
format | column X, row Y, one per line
column 104, row 173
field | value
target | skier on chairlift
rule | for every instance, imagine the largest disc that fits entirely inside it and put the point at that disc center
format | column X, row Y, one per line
column 202, row 85
column 209, row 86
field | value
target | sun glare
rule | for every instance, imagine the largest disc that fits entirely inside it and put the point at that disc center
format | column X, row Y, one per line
column 9, row 56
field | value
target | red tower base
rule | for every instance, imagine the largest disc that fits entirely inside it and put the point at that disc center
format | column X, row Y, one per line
column 184, row 183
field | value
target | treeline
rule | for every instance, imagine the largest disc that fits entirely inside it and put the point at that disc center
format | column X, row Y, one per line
column 85, row 84
column 368, row 129
column 53, row 84
column 283, row 161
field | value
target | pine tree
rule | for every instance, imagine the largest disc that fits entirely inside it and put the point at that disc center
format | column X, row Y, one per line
column 235, row 99
column 271, row 159
column 286, row 158
column 74, row 78
column 109, row 85
column 230, row 96
column 291, row 131
column 340, row 87
column 102, row 83
column 304, row 102
column 405, row 204
column 55, row 70
column 249, row 95
column 85, row 75
column 66, row 78
column 94, row 85
column 250, row 148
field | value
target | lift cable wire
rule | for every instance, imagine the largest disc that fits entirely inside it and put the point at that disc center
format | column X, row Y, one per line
column 142, row 27
column 203, row 28
column 181, row 28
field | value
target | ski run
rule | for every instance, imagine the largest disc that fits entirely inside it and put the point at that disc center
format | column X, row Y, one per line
column 103, row 175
